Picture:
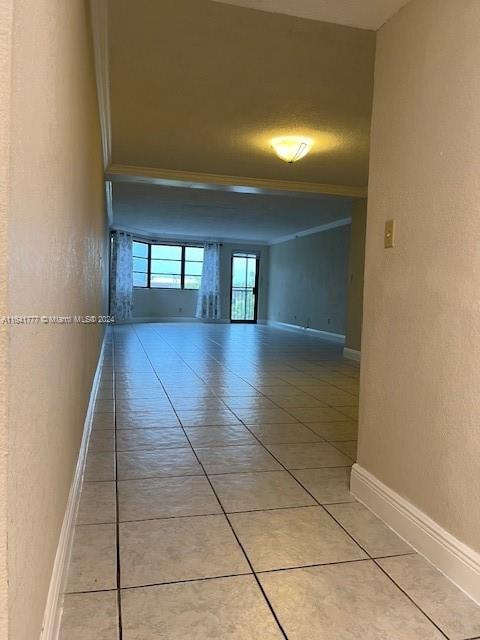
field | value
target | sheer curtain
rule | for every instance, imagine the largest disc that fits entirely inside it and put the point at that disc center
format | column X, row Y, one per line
column 208, row 301
column 121, row 279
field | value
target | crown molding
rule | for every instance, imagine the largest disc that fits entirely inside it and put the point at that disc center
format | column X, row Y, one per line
column 309, row 232
column 218, row 182
column 141, row 234
column 99, row 21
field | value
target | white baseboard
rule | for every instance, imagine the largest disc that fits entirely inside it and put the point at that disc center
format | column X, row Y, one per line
column 352, row 354
column 173, row 320
column 326, row 335
column 154, row 319
column 54, row 605
column 452, row 557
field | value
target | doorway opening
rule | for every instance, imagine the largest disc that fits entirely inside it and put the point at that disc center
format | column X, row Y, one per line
column 244, row 288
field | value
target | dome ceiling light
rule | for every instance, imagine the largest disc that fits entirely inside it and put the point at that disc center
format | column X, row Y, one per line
column 291, row 148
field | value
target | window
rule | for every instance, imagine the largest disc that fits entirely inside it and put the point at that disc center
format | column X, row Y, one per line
column 166, row 266
column 140, row 264
column 193, row 267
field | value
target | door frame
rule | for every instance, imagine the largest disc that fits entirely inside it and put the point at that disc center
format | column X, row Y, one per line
column 257, row 271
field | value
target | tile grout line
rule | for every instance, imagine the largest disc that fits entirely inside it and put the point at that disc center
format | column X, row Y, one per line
column 374, row 560
column 359, row 545
column 223, row 366
column 338, row 523
column 224, row 513
column 339, row 450
column 223, row 473
column 295, row 386
column 364, row 550
column 235, row 575
column 117, row 512
column 301, row 506
column 369, row 557
column 379, row 566
column 262, row 395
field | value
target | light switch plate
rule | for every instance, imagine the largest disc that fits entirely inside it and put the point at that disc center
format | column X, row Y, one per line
column 389, row 234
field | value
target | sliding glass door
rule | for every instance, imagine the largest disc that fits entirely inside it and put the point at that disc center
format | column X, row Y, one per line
column 244, row 287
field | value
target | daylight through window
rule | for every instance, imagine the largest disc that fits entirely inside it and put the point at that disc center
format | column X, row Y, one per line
column 166, row 266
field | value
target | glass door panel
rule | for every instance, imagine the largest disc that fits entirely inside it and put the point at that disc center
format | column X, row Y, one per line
column 244, row 288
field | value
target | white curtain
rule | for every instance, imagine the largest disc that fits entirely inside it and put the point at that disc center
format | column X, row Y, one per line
column 121, row 277
column 208, row 302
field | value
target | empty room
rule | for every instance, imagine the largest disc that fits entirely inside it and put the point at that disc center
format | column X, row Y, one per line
column 240, row 331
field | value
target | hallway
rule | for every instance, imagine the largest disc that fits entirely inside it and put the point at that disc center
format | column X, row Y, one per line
column 216, row 501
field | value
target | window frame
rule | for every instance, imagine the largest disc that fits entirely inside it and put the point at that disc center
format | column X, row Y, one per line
column 166, row 244
column 184, row 264
column 182, row 261
column 147, row 273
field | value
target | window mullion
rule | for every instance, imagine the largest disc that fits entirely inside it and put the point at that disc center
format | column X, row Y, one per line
column 182, row 269
column 149, row 266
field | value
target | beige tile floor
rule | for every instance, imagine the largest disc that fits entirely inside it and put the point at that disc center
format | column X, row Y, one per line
column 216, row 501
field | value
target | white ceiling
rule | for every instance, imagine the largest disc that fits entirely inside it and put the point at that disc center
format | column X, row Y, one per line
column 203, row 86
column 364, row 14
column 169, row 212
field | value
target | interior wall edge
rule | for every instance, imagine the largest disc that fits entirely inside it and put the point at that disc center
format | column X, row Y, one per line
column 6, row 20
column 356, row 275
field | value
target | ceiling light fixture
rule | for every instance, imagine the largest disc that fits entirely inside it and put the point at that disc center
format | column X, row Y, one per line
column 291, row 148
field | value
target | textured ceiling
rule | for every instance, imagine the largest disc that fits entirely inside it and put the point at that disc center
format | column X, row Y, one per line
column 214, row 215
column 197, row 85
column 365, row 14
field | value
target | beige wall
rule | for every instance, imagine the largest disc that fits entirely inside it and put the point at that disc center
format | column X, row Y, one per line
column 308, row 280
column 56, row 245
column 6, row 7
column 356, row 265
column 419, row 413
column 164, row 303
